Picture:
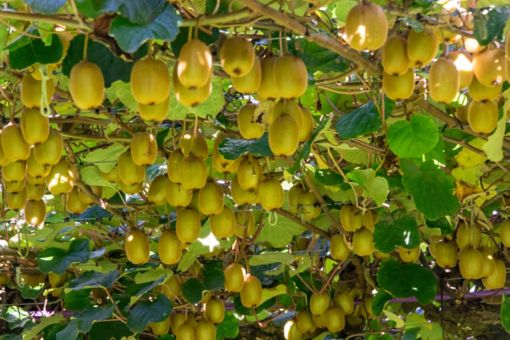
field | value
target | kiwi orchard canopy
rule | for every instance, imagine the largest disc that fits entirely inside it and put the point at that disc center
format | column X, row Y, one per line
column 253, row 169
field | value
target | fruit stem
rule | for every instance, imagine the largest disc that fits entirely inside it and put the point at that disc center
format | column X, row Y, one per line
column 85, row 46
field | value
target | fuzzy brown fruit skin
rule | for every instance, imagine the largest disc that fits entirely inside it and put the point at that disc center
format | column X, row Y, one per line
column 15, row 146
column 234, row 278
column 150, row 81
column 251, row 294
column 144, row 148
column 136, row 246
column 169, row 247
column 249, row 127
column 489, row 67
column 444, row 81
column 366, row 27
column 31, row 91
column 237, row 56
column 394, row 56
column 86, row 85
column 422, row 47
column 483, row 116
column 194, row 65
column 250, row 82
column 34, row 126
column 291, row 76
column 398, row 87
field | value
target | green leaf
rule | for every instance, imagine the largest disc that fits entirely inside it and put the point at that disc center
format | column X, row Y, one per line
column 229, row 328
column 214, row 277
column 391, row 234
column 232, row 148
column 407, row 279
column 92, row 279
column 45, row 6
column 192, row 290
column 304, row 150
column 318, row 58
column 141, row 11
column 373, row 186
column 97, row 7
column 431, row 188
column 15, row 316
column 493, row 148
column 269, row 293
column 34, row 51
column 120, row 90
column 379, row 301
column 413, row 138
column 148, row 311
column 90, row 175
column 442, row 223
column 328, row 177
column 489, row 23
column 152, row 275
column 57, row 260
column 70, row 331
column 105, row 158
column 343, row 8
column 182, row 38
column 109, row 330
column 505, row 313
column 77, row 299
column 87, row 317
column 41, row 325
column 130, row 36
column 271, row 257
column 279, row 233
column 361, row 121
column 112, row 67
column 427, row 330
column 145, row 289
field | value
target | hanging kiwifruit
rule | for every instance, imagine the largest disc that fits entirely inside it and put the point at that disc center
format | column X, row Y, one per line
column 350, row 218
column 35, row 191
column 86, row 85
column 234, row 278
column 193, row 173
column 291, row 76
column 223, row 224
column 244, row 224
column 478, row 92
column 345, row 301
column 409, row 255
column 130, row 189
column 308, row 206
column 270, row 194
column 304, row 322
column 156, row 112
column 251, row 294
column 307, row 125
column 291, row 331
column 150, row 81
column 497, row 279
column 504, row 233
column 394, row 56
column 489, row 67
column 187, row 225
column 338, row 248
column 468, row 235
column 36, row 169
column 50, row 151
column 112, row 175
column 16, row 200
column 249, row 174
column 470, row 263
column 319, row 303
column 366, row 27
column 489, row 263
column 3, row 157
column 161, row 327
column 210, row 199
column 13, row 186
column 445, row 254
column 169, row 247
column 191, row 96
column 268, row 88
column 422, row 47
column 237, row 56
column 194, row 65
column 363, row 242
column 220, row 163
column 73, row 203
column 128, row 171
column 241, row 196
column 250, row 82
column 35, row 127
column 215, row 310
column 88, row 199
column 290, row 107
column 136, row 246
column 144, row 148
column 249, row 127
column 483, row 116
column 14, row 145
column 205, row 330
column 158, row 190
column 177, row 196
column 398, row 87
column 194, row 143
column 35, row 212
column 463, row 63
column 14, row 171
column 444, row 81
column 283, row 136
column 61, row 178
column 335, row 319
column 173, row 165
column 31, row 91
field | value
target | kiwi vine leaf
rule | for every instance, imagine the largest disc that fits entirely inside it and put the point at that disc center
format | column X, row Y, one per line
column 224, row 169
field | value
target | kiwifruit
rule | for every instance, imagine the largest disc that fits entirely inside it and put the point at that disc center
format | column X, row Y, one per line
column 150, row 81
column 220, row 163
column 35, row 191
column 291, row 331
column 158, row 190
column 173, row 166
column 366, row 27
column 215, row 310
column 479, row 92
column 504, row 233
column 35, row 70
column 489, row 263
column 193, row 173
column 350, row 218
column 283, row 136
column 422, row 47
column 338, row 248
column 368, row 219
column 307, row 125
column 144, row 148
column 177, row 196
column 35, row 127
column 249, row 174
column 398, row 87
column 497, row 279
column 251, row 294
column 470, row 263
column 234, row 278
column 14, row 145
column 136, row 246
column 129, row 189
column 489, row 67
column 319, row 303
column 304, row 322
column 210, row 199
column 35, row 212
column 507, row 46
column 36, row 169
column 129, row 172
column 483, row 116
column 241, row 196
column 363, row 242
column 309, row 207
column 172, row 289
column 294, row 197
column 444, row 81
column 191, row 96
column 249, row 127
column 345, row 301
column 409, row 254
column 237, row 56
column 244, row 224
column 290, row 107
column 194, row 65
column 14, row 171
column 250, row 82
column 335, row 319
column 13, row 186
column 161, row 327
column 464, row 64
column 291, row 76
column 50, row 151
column 223, row 224
column 194, row 143
column 394, row 56
column 3, row 157
column 186, row 331
column 85, row 198
column 268, row 88
column 468, row 235
column 31, row 91
column 169, row 247
column 86, row 85
column 270, row 194
column 187, row 225
column 205, row 330
column 446, row 254
column 112, row 175
column 319, row 320
column 155, row 112
column 73, row 203
column 56, row 279
column 16, row 200
column 61, row 178
column 461, row 113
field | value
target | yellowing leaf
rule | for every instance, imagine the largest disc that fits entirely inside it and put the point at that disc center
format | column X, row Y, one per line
column 268, row 293
column 469, row 175
column 494, row 146
column 468, row 158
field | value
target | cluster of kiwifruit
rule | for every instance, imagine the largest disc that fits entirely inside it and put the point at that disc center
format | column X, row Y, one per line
column 482, row 70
